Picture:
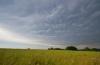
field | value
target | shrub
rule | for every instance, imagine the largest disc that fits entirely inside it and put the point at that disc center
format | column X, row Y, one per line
column 86, row 49
column 55, row 49
column 71, row 48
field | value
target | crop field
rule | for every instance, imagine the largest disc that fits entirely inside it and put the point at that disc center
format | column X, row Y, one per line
column 48, row 57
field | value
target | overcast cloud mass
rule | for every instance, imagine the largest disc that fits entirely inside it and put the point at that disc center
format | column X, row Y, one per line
column 48, row 23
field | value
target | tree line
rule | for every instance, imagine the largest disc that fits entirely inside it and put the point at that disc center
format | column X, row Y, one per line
column 73, row 48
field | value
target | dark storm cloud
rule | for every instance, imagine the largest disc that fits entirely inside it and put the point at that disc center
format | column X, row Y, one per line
column 60, row 22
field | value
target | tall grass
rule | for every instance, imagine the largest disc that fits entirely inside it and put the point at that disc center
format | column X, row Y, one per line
column 48, row 57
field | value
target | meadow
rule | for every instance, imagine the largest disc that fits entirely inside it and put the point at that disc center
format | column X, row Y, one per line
column 48, row 57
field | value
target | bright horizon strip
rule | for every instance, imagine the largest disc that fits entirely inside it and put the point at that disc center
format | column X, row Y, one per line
column 7, row 35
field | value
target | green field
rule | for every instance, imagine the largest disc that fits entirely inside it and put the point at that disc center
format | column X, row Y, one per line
column 48, row 57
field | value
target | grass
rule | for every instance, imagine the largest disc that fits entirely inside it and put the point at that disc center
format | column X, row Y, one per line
column 48, row 57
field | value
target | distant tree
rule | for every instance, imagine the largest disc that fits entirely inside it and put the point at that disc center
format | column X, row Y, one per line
column 28, row 48
column 55, row 49
column 86, row 49
column 50, row 48
column 71, row 48
column 95, row 49
column 58, row 49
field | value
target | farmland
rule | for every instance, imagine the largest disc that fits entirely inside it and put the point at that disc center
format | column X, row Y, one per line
column 48, row 57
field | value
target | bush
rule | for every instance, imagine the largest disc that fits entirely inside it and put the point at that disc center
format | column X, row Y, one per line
column 55, row 49
column 50, row 48
column 58, row 49
column 71, row 48
column 95, row 49
column 86, row 49
column 28, row 48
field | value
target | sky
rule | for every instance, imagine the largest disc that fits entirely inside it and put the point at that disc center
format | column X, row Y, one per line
column 49, row 23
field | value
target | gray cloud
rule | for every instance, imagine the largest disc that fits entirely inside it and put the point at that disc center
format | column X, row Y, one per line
column 67, row 21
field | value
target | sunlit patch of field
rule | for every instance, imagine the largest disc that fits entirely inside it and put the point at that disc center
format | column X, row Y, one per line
column 48, row 57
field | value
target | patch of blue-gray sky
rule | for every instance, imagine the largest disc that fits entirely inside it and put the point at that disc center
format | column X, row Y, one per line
column 59, row 22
